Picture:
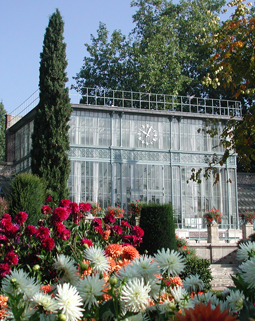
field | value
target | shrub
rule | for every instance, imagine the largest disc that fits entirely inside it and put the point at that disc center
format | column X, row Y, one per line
column 158, row 225
column 196, row 265
column 27, row 194
column 252, row 237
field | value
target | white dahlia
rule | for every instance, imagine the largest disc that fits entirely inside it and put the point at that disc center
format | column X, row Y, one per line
column 45, row 301
column 98, row 259
column 146, row 267
column 135, row 295
column 170, row 261
column 18, row 282
column 66, row 269
column 181, row 297
column 248, row 272
column 69, row 302
column 193, row 283
column 235, row 301
column 245, row 251
column 90, row 288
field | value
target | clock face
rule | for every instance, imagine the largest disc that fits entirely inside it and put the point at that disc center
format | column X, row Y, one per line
column 147, row 135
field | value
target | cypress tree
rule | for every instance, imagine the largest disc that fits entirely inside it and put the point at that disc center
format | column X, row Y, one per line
column 50, row 139
column 2, row 131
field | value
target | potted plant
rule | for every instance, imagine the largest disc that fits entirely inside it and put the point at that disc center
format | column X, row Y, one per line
column 95, row 208
column 247, row 217
column 135, row 209
column 115, row 211
column 212, row 216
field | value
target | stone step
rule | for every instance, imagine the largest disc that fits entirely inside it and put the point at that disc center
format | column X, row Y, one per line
column 221, row 274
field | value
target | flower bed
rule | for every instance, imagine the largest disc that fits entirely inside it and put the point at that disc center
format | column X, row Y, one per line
column 69, row 269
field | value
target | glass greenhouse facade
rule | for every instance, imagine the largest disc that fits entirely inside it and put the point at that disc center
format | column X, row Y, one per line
column 128, row 148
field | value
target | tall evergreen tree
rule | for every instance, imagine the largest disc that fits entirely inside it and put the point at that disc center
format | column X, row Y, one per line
column 2, row 132
column 50, row 140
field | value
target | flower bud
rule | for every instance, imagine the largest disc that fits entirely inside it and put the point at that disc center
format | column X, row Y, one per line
column 84, row 266
column 36, row 267
column 113, row 280
column 62, row 317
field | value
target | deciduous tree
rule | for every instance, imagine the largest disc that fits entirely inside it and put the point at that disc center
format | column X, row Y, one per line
column 233, row 65
column 161, row 55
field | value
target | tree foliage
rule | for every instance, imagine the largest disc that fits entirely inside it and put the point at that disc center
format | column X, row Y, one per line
column 161, row 55
column 50, row 140
column 233, row 65
column 2, row 132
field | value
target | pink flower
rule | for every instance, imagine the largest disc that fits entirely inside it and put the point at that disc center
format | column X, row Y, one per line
column 64, row 203
column 125, row 224
column 117, row 229
column 42, row 233
column 11, row 258
column 3, row 239
column 6, row 224
column 20, row 218
column 49, row 199
column 65, row 235
column 99, row 229
column 132, row 239
column 46, row 209
column 59, row 228
column 84, row 207
column 73, row 207
column 30, row 230
column 96, row 222
column 138, row 231
column 48, row 244
column 86, row 241
column 7, row 216
column 12, row 231
column 59, row 214
column 109, row 218
column 4, row 269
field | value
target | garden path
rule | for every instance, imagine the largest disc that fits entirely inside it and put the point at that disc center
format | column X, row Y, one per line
column 222, row 275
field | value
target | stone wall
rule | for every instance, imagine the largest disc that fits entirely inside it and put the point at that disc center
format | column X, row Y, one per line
column 218, row 253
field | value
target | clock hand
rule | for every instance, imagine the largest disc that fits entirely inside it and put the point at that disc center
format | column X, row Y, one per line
column 143, row 131
column 148, row 134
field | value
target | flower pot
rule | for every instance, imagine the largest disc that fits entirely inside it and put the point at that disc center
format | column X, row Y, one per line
column 213, row 233
column 247, row 230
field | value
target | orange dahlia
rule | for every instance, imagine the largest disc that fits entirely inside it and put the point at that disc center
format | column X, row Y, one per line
column 176, row 280
column 202, row 312
column 111, row 263
column 129, row 253
column 106, row 296
column 106, row 235
column 46, row 288
column 3, row 306
column 121, row 263
column 114, row 250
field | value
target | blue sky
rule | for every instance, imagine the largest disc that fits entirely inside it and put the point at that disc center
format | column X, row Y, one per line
column 23, row 24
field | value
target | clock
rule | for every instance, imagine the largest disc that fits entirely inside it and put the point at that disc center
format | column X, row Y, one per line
column 147, row 135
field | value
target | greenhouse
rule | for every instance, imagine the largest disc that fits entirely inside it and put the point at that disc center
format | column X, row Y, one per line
column 127, row 146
